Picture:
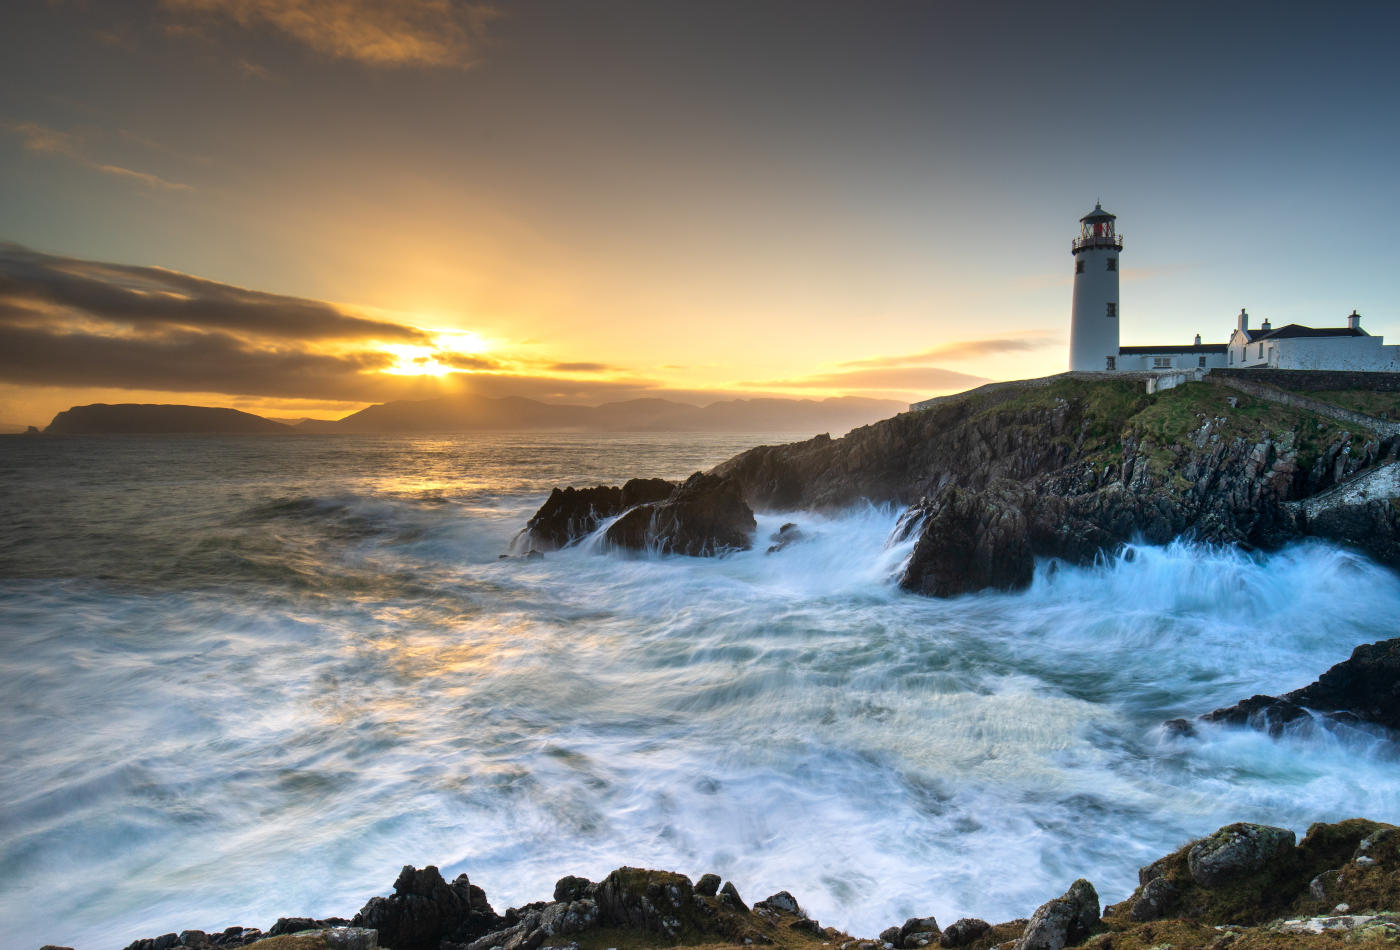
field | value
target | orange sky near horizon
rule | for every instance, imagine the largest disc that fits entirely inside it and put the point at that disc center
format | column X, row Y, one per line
column 279, row 207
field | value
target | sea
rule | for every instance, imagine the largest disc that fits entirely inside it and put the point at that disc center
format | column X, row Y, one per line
column 252, row 677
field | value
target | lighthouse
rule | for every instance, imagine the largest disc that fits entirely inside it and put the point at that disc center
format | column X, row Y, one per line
column 1093, row 334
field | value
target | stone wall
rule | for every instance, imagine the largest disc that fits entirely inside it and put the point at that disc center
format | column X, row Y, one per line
column 1312, row 380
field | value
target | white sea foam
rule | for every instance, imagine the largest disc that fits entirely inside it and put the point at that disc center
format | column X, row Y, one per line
column 340, row 679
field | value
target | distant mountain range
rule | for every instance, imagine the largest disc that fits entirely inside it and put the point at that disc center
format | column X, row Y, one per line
column 484, row 413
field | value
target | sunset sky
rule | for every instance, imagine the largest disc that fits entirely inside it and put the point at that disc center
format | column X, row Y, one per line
column 298, row 207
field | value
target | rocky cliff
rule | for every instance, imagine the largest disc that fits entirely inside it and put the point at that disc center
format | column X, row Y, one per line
column 1069, row 467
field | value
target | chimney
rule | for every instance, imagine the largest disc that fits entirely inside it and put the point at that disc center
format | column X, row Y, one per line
column 1244, row 321
column 1266, row 326
column 1354, row 321
column 1198, row 339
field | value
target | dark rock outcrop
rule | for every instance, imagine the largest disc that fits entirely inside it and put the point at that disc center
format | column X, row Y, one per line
column 569, row 514
column 970, row 541
column 1365, row 688
column 963, row 931
column 1067, row 919
column 1237, row 851
column 789, row 533
column 424, row 910
column 706, row 515
column 1090, row 466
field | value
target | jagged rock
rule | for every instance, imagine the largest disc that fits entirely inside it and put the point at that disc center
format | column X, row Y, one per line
column 890, row 935
column 789, row 533
column 805, row 925
column 571, row 888
column 643, row 491
column 568, row 917
column 1066, row 919
column 971, row 541
column 163, row 942
column 660, row 902
column 571, row 513
column 918, row 928
column 633, row 531
column 708, row 885
column 1268, row 713
column 198, row 938
column 783, row 902
column 1157, row 899
column 1367, row 685
column 286, row 925
column 1236, row 851
column 704, row 516
column 963, row 931
column 424, row 909
column 729, row 895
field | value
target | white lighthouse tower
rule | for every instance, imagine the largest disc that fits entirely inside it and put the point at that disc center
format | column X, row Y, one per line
column 1093, row 334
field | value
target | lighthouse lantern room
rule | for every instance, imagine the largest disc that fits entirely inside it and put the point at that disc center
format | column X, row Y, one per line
column 1093, row 343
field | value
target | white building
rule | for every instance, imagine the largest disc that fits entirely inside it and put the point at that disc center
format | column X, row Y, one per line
column 1094, row 322
column 1298, row 347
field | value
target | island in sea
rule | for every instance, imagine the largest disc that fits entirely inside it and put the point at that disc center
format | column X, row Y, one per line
column 472, row 413
column 1065, row 468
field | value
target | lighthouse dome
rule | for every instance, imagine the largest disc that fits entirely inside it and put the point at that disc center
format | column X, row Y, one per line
column 1098, row 214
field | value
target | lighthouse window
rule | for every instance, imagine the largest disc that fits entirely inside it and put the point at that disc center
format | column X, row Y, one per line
column 1161, row 362
column 1113, row 263
column 1201, row 362
column 1111, row 362
column 1079, row 266
column 1112, row 309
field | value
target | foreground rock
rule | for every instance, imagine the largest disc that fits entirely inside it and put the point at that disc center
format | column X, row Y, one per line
column 425, row 910
column 1245, row 887
column 1364, row 688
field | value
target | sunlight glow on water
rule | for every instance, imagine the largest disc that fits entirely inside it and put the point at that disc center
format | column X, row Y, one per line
column 251, row 677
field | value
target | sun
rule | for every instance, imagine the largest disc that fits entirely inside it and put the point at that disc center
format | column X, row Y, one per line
column 436, row 358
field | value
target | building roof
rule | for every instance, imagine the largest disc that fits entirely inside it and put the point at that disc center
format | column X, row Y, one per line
column 1098, row 214
column 1295, row 331
column 1189, row 348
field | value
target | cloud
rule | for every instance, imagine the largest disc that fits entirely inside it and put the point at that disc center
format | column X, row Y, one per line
column 899, row 378
column 251, row 70
column 966, row 349
column 466, row 361
column 581, row 367
column 181, row 361
column 47, row 141
column 431, row 33
column 152, row 297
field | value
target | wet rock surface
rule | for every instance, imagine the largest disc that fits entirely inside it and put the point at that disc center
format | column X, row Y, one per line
column 570, row 514
column 706, row 515
column 1089, row 466
column 1363, row 688
column 1245, row 884
column 424, row 910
